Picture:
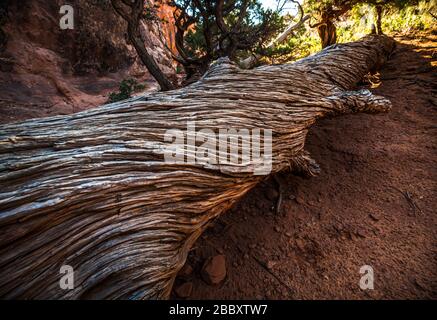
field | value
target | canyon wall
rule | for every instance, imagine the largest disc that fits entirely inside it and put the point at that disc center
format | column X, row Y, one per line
column 45, row 70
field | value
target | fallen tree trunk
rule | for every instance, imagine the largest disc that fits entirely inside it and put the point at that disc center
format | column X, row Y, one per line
column 92, row 190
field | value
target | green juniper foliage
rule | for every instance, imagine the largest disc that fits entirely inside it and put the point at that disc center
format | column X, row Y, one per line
column 207, row 30
column 126, row 88
column 354, row 23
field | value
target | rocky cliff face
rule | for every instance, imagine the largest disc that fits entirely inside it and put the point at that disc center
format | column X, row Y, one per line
column 45, row 70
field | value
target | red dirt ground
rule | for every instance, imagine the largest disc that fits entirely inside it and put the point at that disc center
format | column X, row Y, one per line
column 373, row 204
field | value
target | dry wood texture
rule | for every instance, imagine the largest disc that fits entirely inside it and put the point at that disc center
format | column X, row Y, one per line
column 91, row 190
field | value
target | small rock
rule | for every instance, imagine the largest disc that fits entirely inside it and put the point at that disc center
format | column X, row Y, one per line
column 299, row 200
column 361, row 233
column 184, row 290
column 246, row 256
column 300, row 244
column 214, row 270
column 186, row 270
column 277, row 229
column 375, row 216
column 288, row 234
column 259, row 205
column 270, row 264
column 312, row 203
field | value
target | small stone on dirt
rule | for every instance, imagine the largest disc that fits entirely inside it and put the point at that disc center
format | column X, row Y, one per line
column 270, row 264
column 361, row 233
column 186, row 270
column 299, row 200
column 375, row 216
column 214, row 270
column 184, row 290
column 300, row 244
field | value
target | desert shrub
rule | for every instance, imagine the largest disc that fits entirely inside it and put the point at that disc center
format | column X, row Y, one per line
column 126, row 88
column 359, row 20
column 304, row 43
column 410, row 18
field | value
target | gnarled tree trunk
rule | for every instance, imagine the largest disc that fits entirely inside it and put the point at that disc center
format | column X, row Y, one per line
column 379, row 19
column 327, row 33
column 132, row 12
column 92, row 190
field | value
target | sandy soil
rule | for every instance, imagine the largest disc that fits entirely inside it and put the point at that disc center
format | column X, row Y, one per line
column 373, row 204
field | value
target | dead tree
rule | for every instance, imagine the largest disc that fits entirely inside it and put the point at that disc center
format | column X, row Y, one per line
column 91, row 190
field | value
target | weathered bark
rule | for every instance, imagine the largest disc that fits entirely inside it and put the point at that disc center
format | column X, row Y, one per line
column 378, row 20
column 327, row 33
column 91, row 190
